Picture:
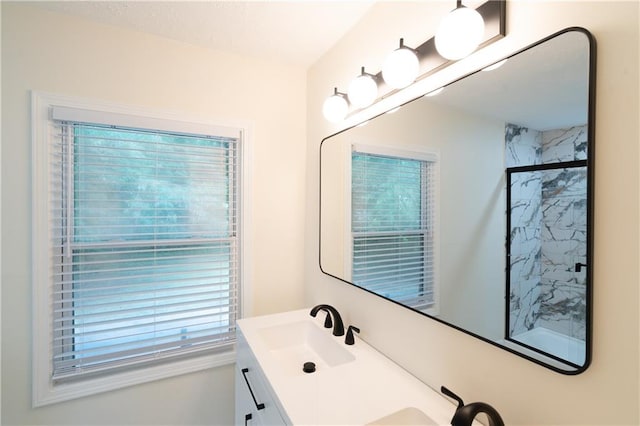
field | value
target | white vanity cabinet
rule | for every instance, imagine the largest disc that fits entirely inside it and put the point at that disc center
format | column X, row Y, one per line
column 255, row 402
column 350, row 384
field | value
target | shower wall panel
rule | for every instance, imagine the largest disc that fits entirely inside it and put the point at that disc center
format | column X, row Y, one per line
column 564, row 213
column 548, row 231
column 523, row 148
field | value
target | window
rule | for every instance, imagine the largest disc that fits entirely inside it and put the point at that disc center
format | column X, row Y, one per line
column 393, row 196
column 143, row 247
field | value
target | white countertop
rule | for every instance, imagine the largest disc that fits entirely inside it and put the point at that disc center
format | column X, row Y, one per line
column 354, row 393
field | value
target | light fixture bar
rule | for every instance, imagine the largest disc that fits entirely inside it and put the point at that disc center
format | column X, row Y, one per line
column 424, row 60
column 494, row 14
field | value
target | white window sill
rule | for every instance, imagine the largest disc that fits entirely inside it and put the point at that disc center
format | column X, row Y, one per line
column 45, row 394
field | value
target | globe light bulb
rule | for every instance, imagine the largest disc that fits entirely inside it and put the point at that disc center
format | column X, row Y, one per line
column 363, row 90
column 401, row 67
column 335, row 107
column 460, row 33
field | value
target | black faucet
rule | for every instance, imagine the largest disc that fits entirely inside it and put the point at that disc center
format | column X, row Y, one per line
column 465, row 414
column 338, row 326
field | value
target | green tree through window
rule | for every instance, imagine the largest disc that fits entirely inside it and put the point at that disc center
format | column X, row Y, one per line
column 148, row 261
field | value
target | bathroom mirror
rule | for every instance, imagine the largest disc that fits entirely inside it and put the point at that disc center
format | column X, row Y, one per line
column 474, row 205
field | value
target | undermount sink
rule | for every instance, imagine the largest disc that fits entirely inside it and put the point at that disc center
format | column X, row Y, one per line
column 406, row 416
column 293, row 344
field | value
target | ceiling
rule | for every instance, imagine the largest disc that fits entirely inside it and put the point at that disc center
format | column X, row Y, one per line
column 297, row 32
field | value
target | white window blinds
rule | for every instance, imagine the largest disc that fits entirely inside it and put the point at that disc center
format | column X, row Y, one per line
column 145, row 245
column 393, row 227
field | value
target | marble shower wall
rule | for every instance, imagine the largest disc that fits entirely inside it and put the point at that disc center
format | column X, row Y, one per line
column 524, row 147
column 548, row 231
column 564, row 237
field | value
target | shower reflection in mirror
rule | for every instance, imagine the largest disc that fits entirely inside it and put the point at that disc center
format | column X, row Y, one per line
column 546, row 244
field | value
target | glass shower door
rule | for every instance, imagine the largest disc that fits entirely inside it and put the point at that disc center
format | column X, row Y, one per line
column 546, row 258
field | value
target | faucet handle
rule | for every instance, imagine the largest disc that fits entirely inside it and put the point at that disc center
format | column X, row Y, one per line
column 452, row 395
column 349, row 339
column 465, row 414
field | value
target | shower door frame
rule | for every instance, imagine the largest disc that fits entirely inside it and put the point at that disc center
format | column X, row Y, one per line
column 536, row 168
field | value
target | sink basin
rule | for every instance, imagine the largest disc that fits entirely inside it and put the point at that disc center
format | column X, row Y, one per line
column 293, row 344
column 406, row 416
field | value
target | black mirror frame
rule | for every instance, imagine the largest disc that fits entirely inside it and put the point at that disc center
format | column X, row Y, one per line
column 591, row 116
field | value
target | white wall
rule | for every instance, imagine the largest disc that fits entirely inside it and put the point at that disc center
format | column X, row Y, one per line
column 54, row 53
column 525, row 393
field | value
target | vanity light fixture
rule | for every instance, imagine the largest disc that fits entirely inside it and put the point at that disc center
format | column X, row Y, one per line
column 460, row 32
column 401, row 67
column 363, row 90
column 335, row 107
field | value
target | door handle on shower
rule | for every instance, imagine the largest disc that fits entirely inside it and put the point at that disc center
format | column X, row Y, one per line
column 579, row 266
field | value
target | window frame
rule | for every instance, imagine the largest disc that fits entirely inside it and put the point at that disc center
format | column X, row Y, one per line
column 44, row 390
column 387, row 151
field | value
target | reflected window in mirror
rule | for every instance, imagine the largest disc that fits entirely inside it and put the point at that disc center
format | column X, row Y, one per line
column 393, row 224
